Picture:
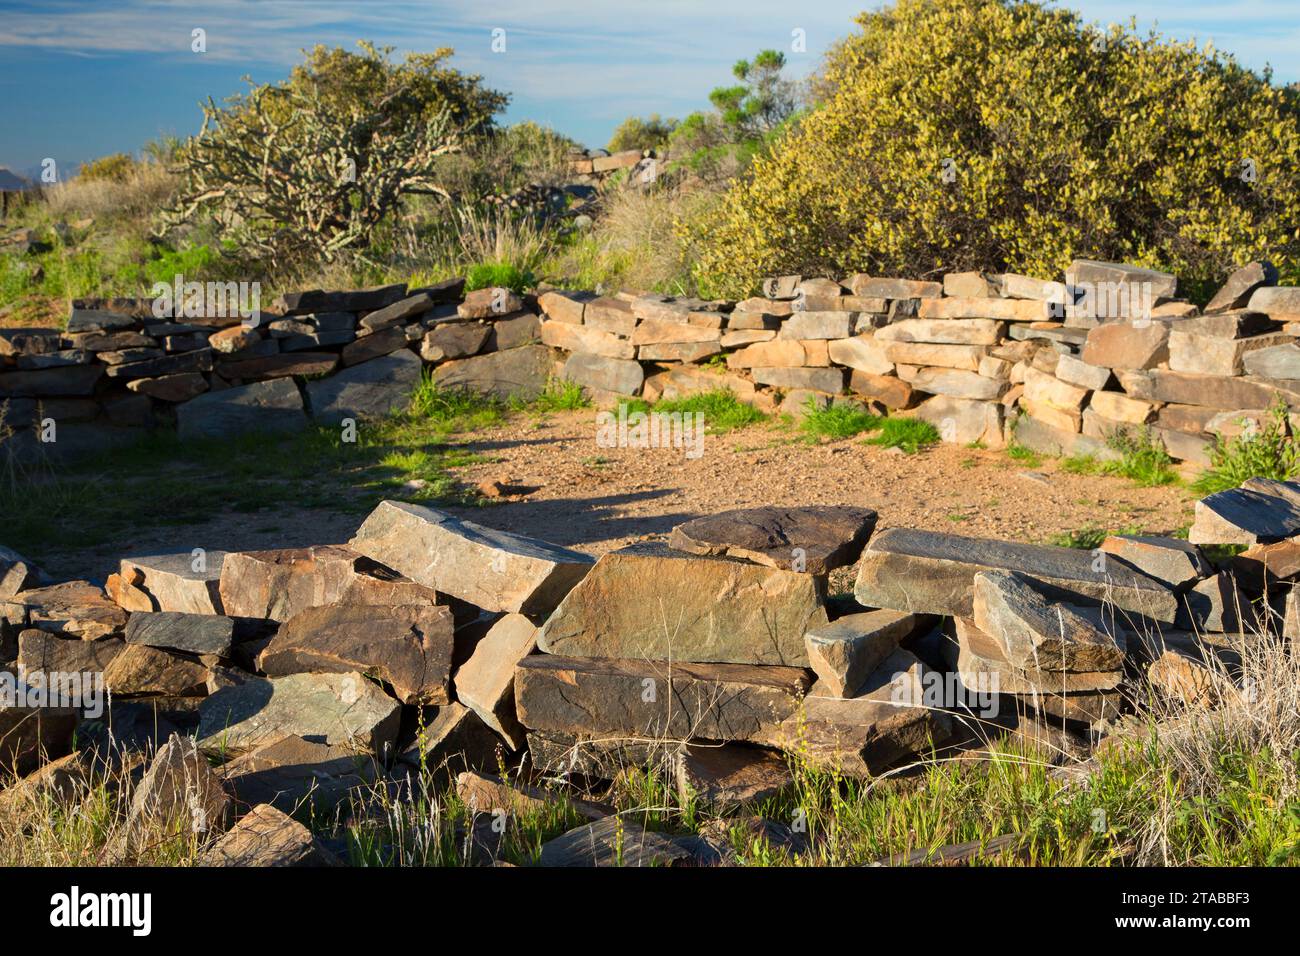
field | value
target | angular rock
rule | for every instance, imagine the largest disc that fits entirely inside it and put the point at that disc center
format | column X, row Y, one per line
column 882, row 288
column 1173, row 561
column 1217, row 606
column 1037, row 634
column 943, row 331
column 562, row 306
column 1212, row 391
column 406, row 646
column 661, row 332
column 271, row 406
column 291, row 772
column 42, row 652
column 971, row 285
column 276, row 585
column 1237, row 324
column 610, row 315
column 77, row 608
column 361, row 300
column 925, row 571
column 1237, row 289
column 784, row 353
column 844, row 653
column 400, row 311
column 193, row 633
column 337, row 709
column 1245, row 515
column 179, row 797
column 486, row 303
column 1277, row 361
column 486, row 681
column 456, row 740
column 69, row 380
column 861, row 352
column 512, row 333
column 828, row 380
column 613, row 841
column 889, row 718
column 963, row 421
column 180, row 387
column 1122, row 345
column 1120, row 408
column 620, row 376
column 817, row 325
column 31, row 735
column 184, row 582
column 141, row 671
column 454, row 340
column 727, row 776
column 1002, row 310
column 16, row 573
column 965, row 357
column 373, row 389
column 889, row 391
column 266, row 837
column 1277, row 301
column 956, row 383
column 656, row 699
column 981, row 663
column 587, row 340
column 511, row 373
column 376, row 345
column 647, row 600
column 1195, row 354
column 1079, row 373
column 493, row 570
column 1089, row 271
column 814, row 539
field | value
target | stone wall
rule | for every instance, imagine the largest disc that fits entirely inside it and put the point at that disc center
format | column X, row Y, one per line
column 1054, row 365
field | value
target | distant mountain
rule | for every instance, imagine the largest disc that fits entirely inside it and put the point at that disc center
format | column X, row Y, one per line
column 12, row 182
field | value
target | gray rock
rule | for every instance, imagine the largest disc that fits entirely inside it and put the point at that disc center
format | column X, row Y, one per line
column 613, row 841
column 845, row 652
column 370, row 390
column 179, row 798
column 511, row 373
column 271, row 406
column 494, row 570
column 183, row 582
column 486, row 681
column 621, row 376
column 1175, row 562
column 1038, row 634
column 727, row 776
column 647, row 600
column 1276, row 300
column 266, row 837
column 69, row 380
column 337, row 709
column 1236, row 291
column 911, row 570
column 1278, row 361
column 195, row 633
column 1246, row 515
column 814, row 539
column 291, row 771
column 316, row 301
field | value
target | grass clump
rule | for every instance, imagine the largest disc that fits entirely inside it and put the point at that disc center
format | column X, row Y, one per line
column 909, row 434
column 1081, row 465
column 723, row 412
column 561, row 395
column 1143, row 457
column 837, row 421
column 499, row 275
column 1270, row 451
column 1025, row 456
column 453, row 409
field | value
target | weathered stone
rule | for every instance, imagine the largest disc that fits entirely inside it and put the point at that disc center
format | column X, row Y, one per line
column 817, row 325
column 1264, row 565
column 784, row 287
column 485, row 303
column 1091, row 272
column 740, row 319
column 454, row 340
column 730, row 775
column 1081, row 374
column 1002, row 310
column 1277, row 361
column 31, row 735
column 956, row 383
column 486, row 681
column 610, row 315
column 78, row 608
column 400, row 311
column 943, row 331
column 647, row 600
column 141, row 671
column 338, row 709
column 613, row 841
column 889, row 718
column 1237, row 324
column 890, row 391
column 186, row 582
column 776, row 353
column 1209, row 355
column 1122, row 345
column 456, row 740
column 1038, row 634
column 678, row 351
column 271, row 406
column 42, row 652
column 1186, row 669
column 1210, row 391
column 590, row 341
column 171, row 388
column 828, row 380
column 407, row 647
column 98, row 320
column 519, row 372
column 1041, row 388
column 178, row 798
column 266, row 837
column 620, row 376
column 375, row 345
column 971, row 285
column 965, row 357
column 1014, row 286
column 16, row 573
column 291, row 772
column 69, row 380
column 561, row 306
column 844, row 653
column 962, row 420
column 925, row 571
column 814, row 539
column 1171, row 560
column 512, row 332
column 882, row 288
column 1216, row 605
column 370, row 390
column 660, row 332
column 1276, row 301
column 361, row 300
column 598, row 756
column 743, row 337
column 276, row 585
column 62, row 783
column 645, row 698
column 1246, row 515
column 193, row 633
column 494, row 570
column 981, row 664
column 1237, row 289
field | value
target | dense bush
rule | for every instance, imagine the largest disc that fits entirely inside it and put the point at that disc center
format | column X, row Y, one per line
column 962, row 134
column 115, row 167
column 636, row 132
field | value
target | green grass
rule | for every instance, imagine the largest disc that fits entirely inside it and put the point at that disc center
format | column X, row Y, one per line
column 1025, row 456
column 1090, row 538
column 723, row 412
column 1081, row 465
column 837, row 421
column 1143, row 457
column 454, row 409
column 505, row 275
column 909, row 434
column 1268, row 452
column 561, row 395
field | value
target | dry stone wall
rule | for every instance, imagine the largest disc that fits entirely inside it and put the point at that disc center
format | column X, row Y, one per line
column 1054, row 365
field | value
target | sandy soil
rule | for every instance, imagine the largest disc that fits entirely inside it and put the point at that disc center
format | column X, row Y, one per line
column 595, row 499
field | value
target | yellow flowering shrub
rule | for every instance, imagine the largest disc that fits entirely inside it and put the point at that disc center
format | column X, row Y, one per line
column 1008, row 136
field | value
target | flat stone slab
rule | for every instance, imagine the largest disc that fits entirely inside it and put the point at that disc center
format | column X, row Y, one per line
column 339, row 709
column 981, row 665
column 1039, row 634
column 613, row 841
column 407, row 647
column 486, row 682
column 195, row 633
column 143, row 671
column 184, row 581
column 888, row 719
column 270, row 406
column 372, row 389
column 511, row 373
column 493, row 570
column 640, row 698
column 266, row 836
column 40, row 651
column 650, row 601
column 1173, row 561
column 76, row 608
column 814, row 539
column 930, row 572
column 1251, row 514
column 288, row 772
column 731, row 775
column 845, row 652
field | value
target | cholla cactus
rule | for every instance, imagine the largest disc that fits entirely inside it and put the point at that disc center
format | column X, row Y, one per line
column 290, row 175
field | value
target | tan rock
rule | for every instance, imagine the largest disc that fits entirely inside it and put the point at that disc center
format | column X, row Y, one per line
column 485, row 682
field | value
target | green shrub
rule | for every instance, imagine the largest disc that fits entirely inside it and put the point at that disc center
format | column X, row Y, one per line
column 561, row 395
column 453, row 409
column 116, row 167
column 505, row 275
column 1144, row 458
column 1268, row 452
column 637, row 133
column 1008, row 136
column 837, row 421
column 723, row 412
column 909, row 434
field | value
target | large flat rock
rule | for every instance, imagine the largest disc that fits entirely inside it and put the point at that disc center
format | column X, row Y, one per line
column 656, row 699
column 931, row 572
column 370, row 390
column 193, row 633
column 844, row 653
column 650, row 601
column 511, row 373
column 271, row 406
column 1041, row 634
column 493, row 570
column 407, row 647
column 185, row 581
column 815, row 538
column 339, row 709
column 1251, row 514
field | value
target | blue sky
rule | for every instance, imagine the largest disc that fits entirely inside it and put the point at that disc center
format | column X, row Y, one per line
column 81, row 78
